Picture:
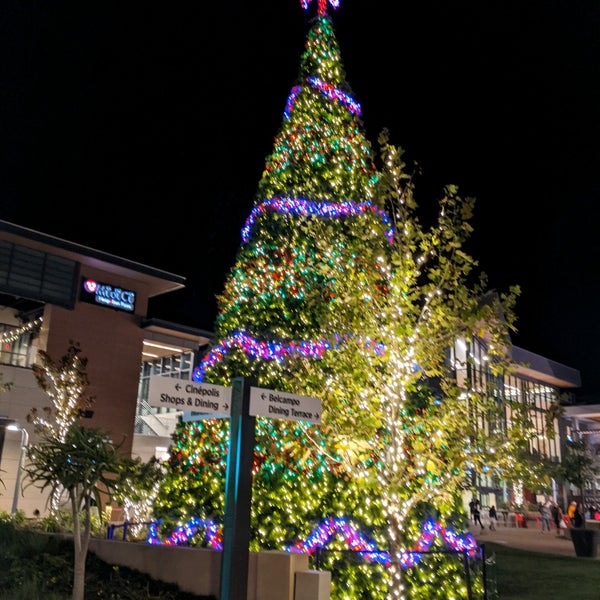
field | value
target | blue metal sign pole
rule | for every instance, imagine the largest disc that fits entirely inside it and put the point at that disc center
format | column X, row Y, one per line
column 238, row 494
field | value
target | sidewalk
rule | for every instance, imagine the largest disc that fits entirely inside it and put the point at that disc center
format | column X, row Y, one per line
column 527, row 538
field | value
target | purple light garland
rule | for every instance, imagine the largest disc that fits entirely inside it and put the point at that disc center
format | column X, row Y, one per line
column 291, row 101
column 367, row 549
column 272, row 351
column 321, row 535
column 300, row 206
column 333, row 93
column 182, row 534
column 328, row 90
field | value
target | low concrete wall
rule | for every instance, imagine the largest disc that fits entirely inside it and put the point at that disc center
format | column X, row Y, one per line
column 271, row 575
column 312, row 585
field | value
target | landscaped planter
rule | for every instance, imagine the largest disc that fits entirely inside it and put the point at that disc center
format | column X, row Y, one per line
column 585, row 541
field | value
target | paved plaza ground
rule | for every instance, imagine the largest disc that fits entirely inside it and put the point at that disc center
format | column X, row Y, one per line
column 527, row 538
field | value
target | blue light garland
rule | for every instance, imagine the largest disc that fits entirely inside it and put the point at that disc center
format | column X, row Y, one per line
column 333, row 93
column 291, row 101
column 321, row 535
column 183, row 533
column 368, row 550
column 301, row 206
column 273, row 351
column 328, row 90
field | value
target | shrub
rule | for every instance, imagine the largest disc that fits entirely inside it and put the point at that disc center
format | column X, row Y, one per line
column 39, row 566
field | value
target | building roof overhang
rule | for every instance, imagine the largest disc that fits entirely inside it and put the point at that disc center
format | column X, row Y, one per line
column 538, row 368
column 157, row 281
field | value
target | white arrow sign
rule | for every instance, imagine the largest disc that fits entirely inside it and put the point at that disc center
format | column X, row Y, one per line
column 281, row 405
column 189, row 396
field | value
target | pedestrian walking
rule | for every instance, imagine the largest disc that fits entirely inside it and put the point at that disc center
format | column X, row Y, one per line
column 546, row 515
column 472, row 505
column 558, row 518
column 571, row 510
column 477, row 515
column 493, row 518
column 577, row 520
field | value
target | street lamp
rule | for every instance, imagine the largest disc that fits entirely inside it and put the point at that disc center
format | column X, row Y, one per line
column 24, row 444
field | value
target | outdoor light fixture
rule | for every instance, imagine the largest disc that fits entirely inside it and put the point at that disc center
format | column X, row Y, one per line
column 162, row 346
column 24, row 444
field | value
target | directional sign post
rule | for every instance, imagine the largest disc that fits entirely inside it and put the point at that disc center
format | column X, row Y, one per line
column 281, row 405
column 242, row 404
column 238, row 496
column 197, row 400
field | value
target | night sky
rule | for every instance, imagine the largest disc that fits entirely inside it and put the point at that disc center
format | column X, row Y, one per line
column 141, row 129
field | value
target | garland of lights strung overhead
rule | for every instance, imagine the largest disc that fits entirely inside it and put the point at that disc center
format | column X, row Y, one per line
column 14, row 334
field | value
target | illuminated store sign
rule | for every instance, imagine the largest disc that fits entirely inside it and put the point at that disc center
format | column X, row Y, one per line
column 97, row 292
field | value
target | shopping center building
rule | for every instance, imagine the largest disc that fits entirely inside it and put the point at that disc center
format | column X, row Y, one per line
column 54, row 292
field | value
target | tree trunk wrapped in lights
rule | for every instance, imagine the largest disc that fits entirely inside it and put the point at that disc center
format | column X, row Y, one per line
column 438, row 429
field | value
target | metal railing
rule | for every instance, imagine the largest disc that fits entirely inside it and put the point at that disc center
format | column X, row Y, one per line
column 481, row 567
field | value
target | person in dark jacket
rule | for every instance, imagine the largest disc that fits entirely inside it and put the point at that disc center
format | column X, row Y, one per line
column 577, row 517
column 558, row 518
column 477, row 515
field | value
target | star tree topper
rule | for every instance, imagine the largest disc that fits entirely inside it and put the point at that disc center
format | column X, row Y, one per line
column 321, row 5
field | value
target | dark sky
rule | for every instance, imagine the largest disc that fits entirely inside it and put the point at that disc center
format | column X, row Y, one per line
column 141, row 129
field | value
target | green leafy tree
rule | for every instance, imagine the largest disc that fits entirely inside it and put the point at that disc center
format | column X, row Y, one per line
column 80, row 464
column 578, row 466
column 65, row 382
column 86, row 466
column 138, row 486
column 438, row 427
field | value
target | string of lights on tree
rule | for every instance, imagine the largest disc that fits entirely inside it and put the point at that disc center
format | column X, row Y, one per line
column 275, row 351
column 13, row 335
column 301, row 206
column 361, row 545
column 293, row 315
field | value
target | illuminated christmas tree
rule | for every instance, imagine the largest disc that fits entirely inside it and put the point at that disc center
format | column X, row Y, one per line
column 323, row 301
column 292, row 315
